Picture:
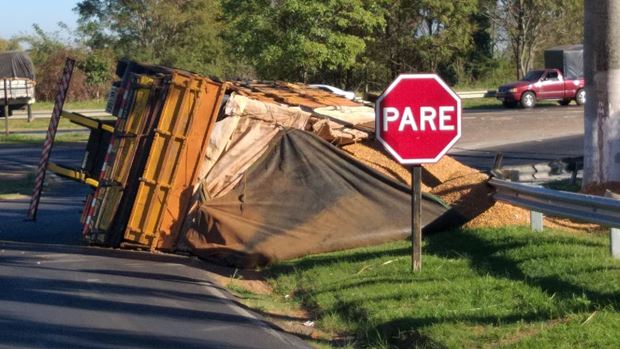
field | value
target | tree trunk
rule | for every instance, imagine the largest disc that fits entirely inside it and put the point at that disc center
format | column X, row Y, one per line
column 602, row 74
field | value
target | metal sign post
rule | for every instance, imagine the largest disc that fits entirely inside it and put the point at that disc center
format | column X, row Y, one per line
column 416, row 217
column 417, row 119
column 63, row 87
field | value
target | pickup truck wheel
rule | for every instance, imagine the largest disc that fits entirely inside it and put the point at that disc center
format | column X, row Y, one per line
column 528, row 100
column 580, row 97
column 564, row 102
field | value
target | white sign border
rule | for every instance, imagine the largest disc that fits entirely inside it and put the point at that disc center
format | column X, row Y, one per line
column 377, row 118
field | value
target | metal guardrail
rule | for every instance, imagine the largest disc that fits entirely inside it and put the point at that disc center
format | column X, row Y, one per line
column 539, row 200
column 477, row 94
column 589, row 208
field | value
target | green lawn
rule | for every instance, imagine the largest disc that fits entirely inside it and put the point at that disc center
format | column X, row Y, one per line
column 36, row 124
column 493, row 103
column 495, row 288
column 90, row 104
column 37, row 139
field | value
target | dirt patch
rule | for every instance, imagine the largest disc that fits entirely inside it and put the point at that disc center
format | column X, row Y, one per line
column 291, row 319
column 246, row 279
column 599, row 189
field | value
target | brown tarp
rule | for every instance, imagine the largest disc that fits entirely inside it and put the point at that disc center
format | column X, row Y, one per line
column 258, row 124
column 303, row 196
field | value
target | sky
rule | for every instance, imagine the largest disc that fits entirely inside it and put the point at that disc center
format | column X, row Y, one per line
column 17, row 16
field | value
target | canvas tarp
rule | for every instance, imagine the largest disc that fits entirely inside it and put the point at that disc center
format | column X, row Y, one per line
column 303, row 196
column 242, row 138
column 569, row 59
column 14, row 65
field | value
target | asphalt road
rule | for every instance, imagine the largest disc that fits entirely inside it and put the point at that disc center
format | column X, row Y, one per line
column 522, row 135
column 55, row 296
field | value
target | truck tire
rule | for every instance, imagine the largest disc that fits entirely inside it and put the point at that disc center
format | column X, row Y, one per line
column 580, row 97
column 528, row 100
column 564, row 101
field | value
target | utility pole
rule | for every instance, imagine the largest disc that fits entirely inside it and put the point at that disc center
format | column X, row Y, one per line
column 602, row 74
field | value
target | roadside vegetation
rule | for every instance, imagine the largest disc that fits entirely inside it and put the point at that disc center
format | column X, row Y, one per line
column 98, row 104
column 16, row 125
column 487, row 288
column 37, row 139
column 492, row 103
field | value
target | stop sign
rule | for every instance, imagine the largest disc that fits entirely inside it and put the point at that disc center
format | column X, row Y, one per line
column 418, row 118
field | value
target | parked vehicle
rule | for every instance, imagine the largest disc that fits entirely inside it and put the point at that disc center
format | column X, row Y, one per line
column 561, row 80
column 17, row 81
column 335, row 90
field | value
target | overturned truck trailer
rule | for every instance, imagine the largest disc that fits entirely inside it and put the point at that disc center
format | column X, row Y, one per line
column 239, row 172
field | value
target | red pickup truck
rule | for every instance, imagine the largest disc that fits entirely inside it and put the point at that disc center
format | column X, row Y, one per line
column 545, row 84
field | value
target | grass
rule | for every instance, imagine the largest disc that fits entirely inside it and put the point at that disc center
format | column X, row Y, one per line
column 37, row 124
column 481, row 103
column 565, row 185
column 493, row 288
column 37, row 139
column 493, row 103
column 21, row 125
column 90, row 104
column 16, row 187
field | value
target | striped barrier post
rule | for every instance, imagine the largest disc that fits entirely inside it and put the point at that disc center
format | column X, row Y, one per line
column 63, row 87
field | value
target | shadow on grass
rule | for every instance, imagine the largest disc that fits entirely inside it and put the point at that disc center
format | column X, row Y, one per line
column 486, row 259
column 500, row 256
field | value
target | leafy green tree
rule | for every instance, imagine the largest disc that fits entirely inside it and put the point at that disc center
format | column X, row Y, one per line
column 529, row 26
column 49, row 50
column 300, row 40
column 179, row 33
column 421, row 36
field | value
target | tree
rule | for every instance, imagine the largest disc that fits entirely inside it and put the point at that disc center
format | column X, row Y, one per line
column 602, row 111
column 49, row 50
column 528, row 25
column 179, row 33
column 426, row 35
column 296, row 39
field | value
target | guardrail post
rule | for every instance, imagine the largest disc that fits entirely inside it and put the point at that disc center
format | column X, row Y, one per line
column 614, row 233
column 614, row 242
column 536, row 220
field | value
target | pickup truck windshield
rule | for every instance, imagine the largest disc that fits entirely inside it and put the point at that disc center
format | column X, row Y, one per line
column 533, row 75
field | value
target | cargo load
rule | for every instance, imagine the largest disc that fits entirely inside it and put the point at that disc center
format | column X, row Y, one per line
column 569, row 59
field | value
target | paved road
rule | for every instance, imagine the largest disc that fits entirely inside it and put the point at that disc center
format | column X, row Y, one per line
column 523, row 135
column 71, row 296
column 55, row 296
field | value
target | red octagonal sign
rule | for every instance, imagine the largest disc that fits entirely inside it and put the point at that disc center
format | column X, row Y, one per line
column 418, row 118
